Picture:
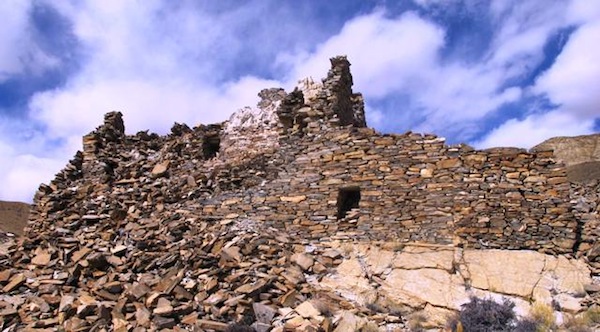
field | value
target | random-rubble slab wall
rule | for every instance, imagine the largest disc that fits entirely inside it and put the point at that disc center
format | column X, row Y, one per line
column 287, row 163
column 585, row 198
column 413, row 188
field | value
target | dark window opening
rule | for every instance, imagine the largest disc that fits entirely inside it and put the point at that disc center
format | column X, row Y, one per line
column 348, row 199
column 211, row 146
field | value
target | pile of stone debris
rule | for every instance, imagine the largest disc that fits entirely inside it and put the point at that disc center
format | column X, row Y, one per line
column 98, row 273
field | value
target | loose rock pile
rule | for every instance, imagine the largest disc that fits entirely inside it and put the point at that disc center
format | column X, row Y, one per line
column 99, row 271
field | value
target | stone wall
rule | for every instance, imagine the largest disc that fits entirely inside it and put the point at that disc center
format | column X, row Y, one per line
column 585, row 198
column 412, row 188
column 304, row 162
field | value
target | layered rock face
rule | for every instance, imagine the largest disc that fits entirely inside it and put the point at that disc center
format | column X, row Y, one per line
column 256, row 220
column 438, row 280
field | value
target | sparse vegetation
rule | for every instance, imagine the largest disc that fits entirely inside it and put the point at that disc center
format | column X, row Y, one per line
column 543, row 316
column 593, row 314
column 347, row 250
column 577, row 324
column 526, row 325
column 416, row 321
column 324, row 306
column 370, row 327
column 376, row 307
column 584, row 322
column 239, row 328
column 484, row 315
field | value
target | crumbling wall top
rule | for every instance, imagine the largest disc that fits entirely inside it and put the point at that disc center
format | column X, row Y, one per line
column 113, row 124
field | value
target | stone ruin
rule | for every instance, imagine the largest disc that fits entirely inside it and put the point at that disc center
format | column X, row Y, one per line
column 263, row 218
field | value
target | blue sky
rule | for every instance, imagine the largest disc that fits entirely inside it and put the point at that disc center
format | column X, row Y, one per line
column 487, row 73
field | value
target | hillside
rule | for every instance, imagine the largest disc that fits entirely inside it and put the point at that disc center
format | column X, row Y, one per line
column 13, row 217
column 296, row 216
column 581, row 154
column 573, row 150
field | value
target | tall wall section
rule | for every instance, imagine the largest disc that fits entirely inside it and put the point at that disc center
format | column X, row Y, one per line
column 304, row 162
column 412, row 187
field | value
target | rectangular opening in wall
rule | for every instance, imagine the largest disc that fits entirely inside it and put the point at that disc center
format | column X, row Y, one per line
column 211, row 146
column 348, row 199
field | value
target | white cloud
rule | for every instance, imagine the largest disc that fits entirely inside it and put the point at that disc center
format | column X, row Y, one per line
column 401, row 55
column 151, row 62
column 573, row 81
column 534, row 129
column 582, row 11
column 146, row 104
column 18, row 52
column 375, row 117
column 26, row 164
column 24, row 174
column 14, row 15
column 387, row 55
column 568, row 83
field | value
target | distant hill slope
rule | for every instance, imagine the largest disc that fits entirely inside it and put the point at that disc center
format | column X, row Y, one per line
column 581, row 154
column 13, row 216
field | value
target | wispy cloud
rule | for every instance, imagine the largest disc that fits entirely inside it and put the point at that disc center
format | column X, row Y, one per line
column 568, row 83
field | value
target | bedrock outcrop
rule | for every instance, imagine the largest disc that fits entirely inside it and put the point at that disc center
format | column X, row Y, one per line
column 435, row 281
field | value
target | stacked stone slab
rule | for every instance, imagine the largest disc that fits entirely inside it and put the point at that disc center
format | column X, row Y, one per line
column 413, row 188
column 196, row 227
column 586, row 206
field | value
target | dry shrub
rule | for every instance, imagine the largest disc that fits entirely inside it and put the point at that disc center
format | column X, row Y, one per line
column 577, row 324
column 593, row 314
column 526, row 325
column 370, row 327
column 484, row 315
column 416, row 321
column 239, row 328
column 323, row 306
column 543, row 315
column 584, row 322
